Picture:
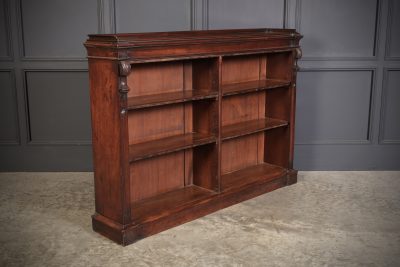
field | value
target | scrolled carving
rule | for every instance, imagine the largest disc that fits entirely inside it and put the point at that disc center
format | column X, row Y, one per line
column 124, row 68
column 123, row 85
column 298, row 53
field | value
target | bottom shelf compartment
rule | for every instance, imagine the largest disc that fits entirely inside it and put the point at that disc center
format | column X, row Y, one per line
column 260, row 173
column 162, row 205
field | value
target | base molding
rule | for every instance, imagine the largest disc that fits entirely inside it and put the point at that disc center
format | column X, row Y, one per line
column 291, row 177
column 128, row 234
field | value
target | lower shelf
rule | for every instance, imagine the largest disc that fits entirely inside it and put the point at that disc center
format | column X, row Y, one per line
column 154, row 215
column 251, row 175
column 159, row 206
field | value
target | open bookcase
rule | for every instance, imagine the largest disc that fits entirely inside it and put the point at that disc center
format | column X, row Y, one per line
column 187, row 123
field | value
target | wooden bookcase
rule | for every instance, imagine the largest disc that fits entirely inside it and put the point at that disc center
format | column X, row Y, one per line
column 187, row 123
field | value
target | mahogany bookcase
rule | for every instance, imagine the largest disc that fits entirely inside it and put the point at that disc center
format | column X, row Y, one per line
column 187, row 123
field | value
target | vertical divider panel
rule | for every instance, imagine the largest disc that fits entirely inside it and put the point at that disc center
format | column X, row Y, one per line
column 279, row 105
column 188, row 122
column 218, row 83
column 206, row 120
column 261, row 108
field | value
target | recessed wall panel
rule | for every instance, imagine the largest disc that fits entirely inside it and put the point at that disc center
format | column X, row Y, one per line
column 224, row 14
column 58, row 106
column 8, row 109
column 391, row 107
column 333, row 106
column 152, row 15
column 340, row 28
column 57, row 28
column 393, row 30
column 4, row 49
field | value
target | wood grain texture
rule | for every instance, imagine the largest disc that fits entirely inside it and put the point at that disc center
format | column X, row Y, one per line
column 156, row 175
column 256, row 174
column 106, row 139
column 239, row 153
column 155, row 78
column 168, row 144
column 250, row 127
column 159, row 122
column 252, row 86
column 188, row 123
column 168, row 98
column 153, row 208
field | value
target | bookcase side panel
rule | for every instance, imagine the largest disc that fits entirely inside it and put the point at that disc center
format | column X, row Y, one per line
column 108, row 160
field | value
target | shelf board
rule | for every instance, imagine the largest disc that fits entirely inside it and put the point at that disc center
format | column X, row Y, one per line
column 145, row 101
column 252, row 86
column 168, row 144
column 251, row 175
column 250, row 127
column 164, row 204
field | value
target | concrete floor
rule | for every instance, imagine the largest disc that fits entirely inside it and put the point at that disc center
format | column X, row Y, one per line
column 327, row 219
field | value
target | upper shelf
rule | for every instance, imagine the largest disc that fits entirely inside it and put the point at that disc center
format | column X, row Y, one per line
column 136, row 102
column 250, row 127
column 252, row 86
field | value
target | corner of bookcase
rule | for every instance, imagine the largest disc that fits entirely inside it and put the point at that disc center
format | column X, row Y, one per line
column 291, row 177
column 108, row 228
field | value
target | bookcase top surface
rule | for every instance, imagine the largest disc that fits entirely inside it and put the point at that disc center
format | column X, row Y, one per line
column 132, row 40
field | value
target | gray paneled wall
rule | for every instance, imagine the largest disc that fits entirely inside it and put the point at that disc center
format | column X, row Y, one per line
column 348, row 85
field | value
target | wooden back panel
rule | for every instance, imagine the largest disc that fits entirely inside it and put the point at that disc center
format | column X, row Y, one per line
column 244, row 151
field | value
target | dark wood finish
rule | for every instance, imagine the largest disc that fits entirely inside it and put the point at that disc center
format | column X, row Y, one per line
column 252, row 175
column 187, row 123
column 168, row 98
column 156, row 207
column 250, row 127
column 168, row 144
column 252, row 86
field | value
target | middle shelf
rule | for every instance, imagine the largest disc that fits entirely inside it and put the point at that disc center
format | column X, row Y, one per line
column 154, row 100
column 189, row 140
column 250, row 127
column 252, row 86
column 160, row 99
column 168, row 144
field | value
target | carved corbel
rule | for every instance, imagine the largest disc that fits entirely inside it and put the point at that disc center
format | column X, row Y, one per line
column 124, row 70
column 297, row 55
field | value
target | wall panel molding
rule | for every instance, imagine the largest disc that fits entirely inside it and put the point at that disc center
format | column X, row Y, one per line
column 8, row 33
column 371, row 108
column 379, row 56
column 49, row 142
column 384, row 103
column 389, row 32
column 22, row 42
column 378, row 10
column 205, row 16
column 282, row 24
column 168, row 16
